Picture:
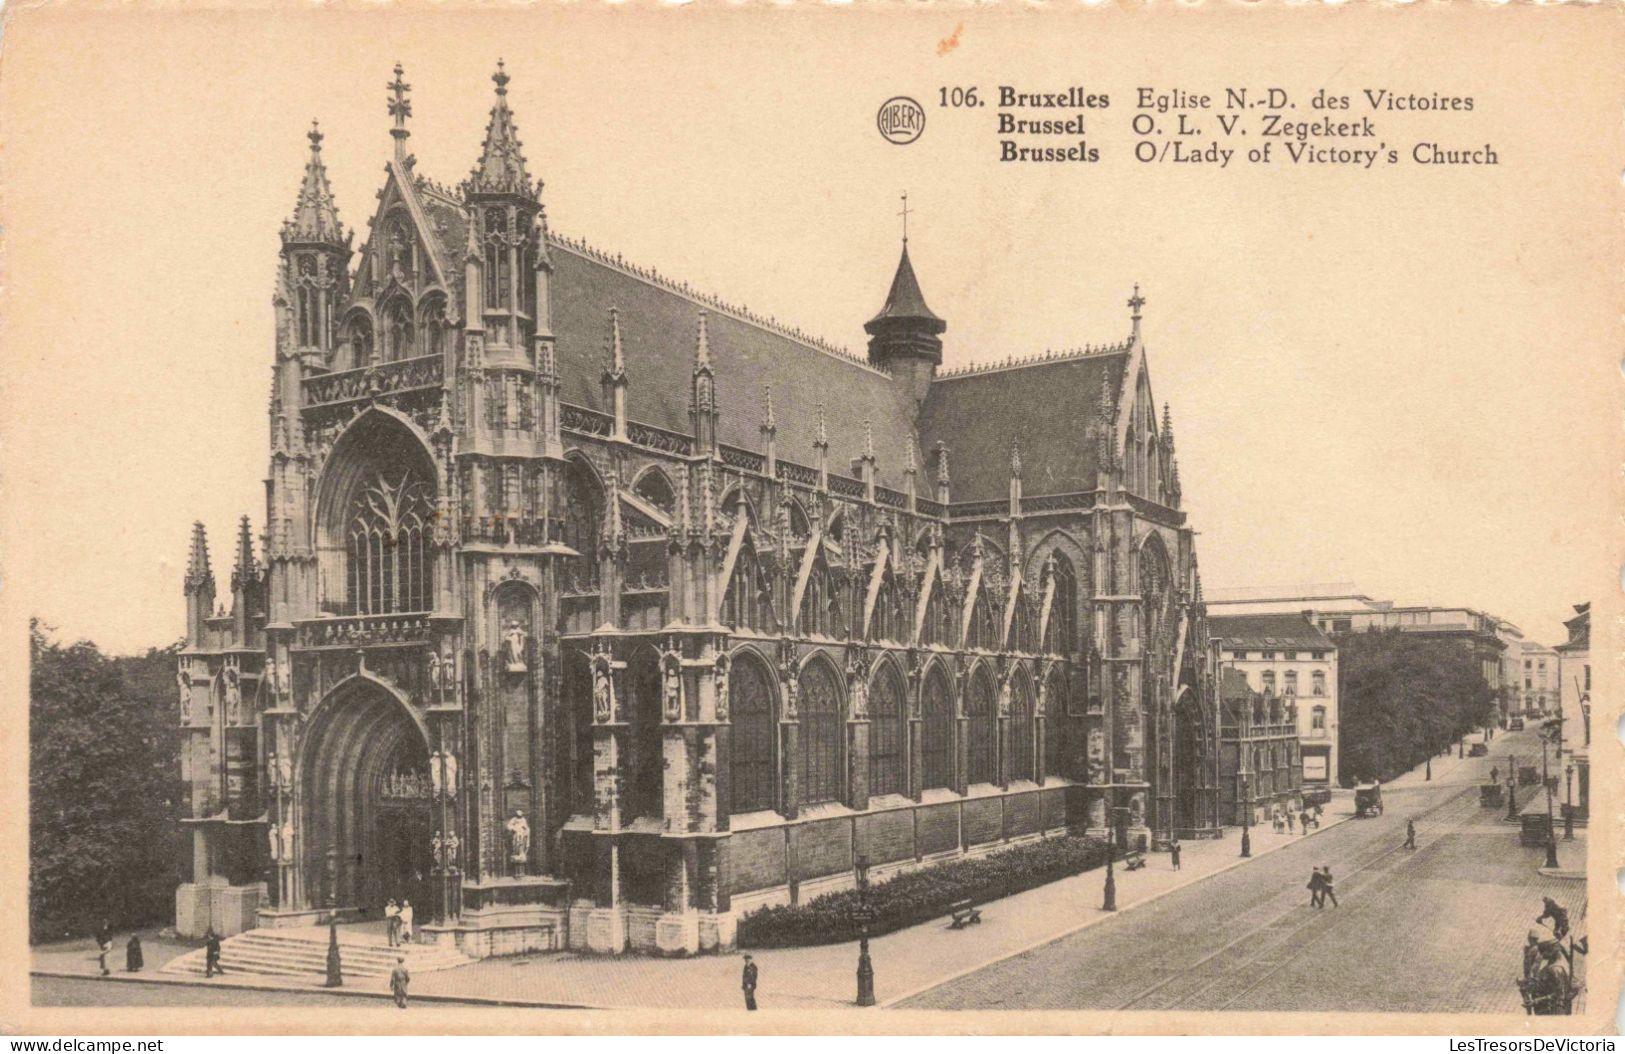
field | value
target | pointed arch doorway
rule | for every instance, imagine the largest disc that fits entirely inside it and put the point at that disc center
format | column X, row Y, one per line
column 366, row 802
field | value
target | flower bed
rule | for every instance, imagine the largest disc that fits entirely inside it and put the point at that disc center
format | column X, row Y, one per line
column 919, row 896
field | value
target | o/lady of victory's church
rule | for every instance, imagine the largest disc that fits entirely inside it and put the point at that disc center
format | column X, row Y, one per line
column 592, row 612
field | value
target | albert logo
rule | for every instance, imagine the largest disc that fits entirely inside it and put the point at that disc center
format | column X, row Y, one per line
column 900, row 120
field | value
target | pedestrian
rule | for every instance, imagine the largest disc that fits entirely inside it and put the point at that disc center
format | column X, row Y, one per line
column 1317, row 814
column 132, row 955
column 211, row 953
column 1173, row 853
column 1410, row 834
column 1304, row 820
column 1289, row 829
column 1326, row 889
column 104, row 944
column 398, row 980
column 747, row 982
column 406, row 922
column 1495, row 774
column 1559, row 917
column 392, row 922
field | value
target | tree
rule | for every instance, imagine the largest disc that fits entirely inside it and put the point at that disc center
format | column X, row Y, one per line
column 1404, row 697
column 104, row 787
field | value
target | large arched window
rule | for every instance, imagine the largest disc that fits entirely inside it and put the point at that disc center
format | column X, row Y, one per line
column 583, row 508
column 434, row 326
column 823, row 730
column 935, row 627
column 748, row 604
column 1021, row 729
column 890, row 619
column 1155, row 588
column 822, row 612
column 578, row 690
column 887, row 733
column 495, row 269
column 937, row 731
column 654, row 488
column 983, row 629
column 753, row 740
column 398, row 331
column 387, row 546
column 981, row 729
column 1061, row 632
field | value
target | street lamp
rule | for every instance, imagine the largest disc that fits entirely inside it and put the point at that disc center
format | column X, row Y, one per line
column 1551, row 839
column 866, row 969
column 1568, row 795
column 1246, row 818
column 1512, row 787
column 1117, row 817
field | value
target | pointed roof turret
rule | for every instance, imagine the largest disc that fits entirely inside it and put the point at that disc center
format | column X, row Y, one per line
column 702, row 347
column 245, row 550
column 197, row 563
column 905, row 301
column 315, row 218
column 501, row 168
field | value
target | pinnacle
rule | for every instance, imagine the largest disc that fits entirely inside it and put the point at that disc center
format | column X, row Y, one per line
column 501, row 167
column 315, row 217
column 197, row 564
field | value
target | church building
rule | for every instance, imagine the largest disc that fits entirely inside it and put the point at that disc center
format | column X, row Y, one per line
column 592, row 612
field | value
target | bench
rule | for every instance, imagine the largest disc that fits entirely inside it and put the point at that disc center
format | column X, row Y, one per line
column 1134, row 861
column 964, row 913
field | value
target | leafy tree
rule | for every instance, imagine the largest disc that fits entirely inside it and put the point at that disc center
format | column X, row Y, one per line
column 104, row 787
column 1403, row 698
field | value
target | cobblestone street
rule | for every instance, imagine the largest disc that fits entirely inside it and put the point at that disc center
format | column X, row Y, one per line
column 1438, row 928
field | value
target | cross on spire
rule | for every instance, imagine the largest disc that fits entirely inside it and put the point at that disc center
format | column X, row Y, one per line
column 314, row 135
column 904, row 214
column 400, row 108
column 1136, row 302
column 501, row 78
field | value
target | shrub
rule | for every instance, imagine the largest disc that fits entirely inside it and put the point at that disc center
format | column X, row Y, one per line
column 919, row 896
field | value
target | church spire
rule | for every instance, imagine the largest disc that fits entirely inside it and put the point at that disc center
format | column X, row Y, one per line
column 198, row 572
column 905, row 338
column 501, row 167
column 400, row 108
column 247, row 567
column 315, row 219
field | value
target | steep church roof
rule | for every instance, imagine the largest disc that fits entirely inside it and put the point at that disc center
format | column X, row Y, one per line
column 658, row 324
column 1050, row 406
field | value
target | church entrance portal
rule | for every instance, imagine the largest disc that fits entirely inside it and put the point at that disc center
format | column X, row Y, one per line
column 366, row 804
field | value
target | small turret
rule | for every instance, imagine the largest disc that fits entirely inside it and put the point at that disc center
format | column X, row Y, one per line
column 315, row 258
column 702, row 406
column 905, row 338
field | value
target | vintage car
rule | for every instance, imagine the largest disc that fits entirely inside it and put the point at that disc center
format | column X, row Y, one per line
column 1478, row 750
column 1368, row 800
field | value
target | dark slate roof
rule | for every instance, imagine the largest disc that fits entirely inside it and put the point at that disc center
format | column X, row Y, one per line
column 905, row 299
column 1269, row 631
column 1049, row 404
column 658, row 330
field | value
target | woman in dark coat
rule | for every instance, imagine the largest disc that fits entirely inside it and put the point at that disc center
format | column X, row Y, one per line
column 132, row 955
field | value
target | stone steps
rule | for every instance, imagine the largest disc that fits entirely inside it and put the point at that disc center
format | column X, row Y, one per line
column 303, row 953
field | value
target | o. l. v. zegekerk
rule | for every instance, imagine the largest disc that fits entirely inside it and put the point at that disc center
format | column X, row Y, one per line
column 591, row 612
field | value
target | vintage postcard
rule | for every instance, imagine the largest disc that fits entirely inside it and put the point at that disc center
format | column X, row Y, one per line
column 669, row 517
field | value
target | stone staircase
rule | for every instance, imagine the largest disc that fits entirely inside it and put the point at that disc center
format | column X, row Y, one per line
column 301, row 953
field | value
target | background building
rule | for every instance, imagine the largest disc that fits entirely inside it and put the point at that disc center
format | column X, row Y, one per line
column 1537, row 679
column 593, row 611
column 1259, row 768
column 1288, row 656
column 1574, row 686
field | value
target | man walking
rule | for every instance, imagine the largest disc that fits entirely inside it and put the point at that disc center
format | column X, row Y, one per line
column 1173, row 853
column 1410, row 834
column 1315, row 888
column 211, row 953
column 392, row 922
column 398, row 980
column 747, row 982
column 1326, row 889
column 1289, row 829
column 104, row 944
column 1559, row 917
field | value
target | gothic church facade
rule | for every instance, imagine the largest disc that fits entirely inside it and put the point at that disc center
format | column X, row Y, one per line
column 591, row 612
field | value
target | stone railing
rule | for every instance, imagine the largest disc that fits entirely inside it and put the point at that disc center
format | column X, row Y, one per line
column 1057, row 502
column 894, row 499
column 659, row 439
column 425, row 371
column 515, row 530
column 734, row 457
column 791, row 472
column 360, row 630
column 928, row 507
column 963, row 510
column 588, row 422
column 846, row 488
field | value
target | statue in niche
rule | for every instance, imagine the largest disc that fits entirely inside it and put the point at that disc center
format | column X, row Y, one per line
column 603, row 694
column 272, row 771
column 273, row 840
column 448, row 672
column 671, row 669
column 448, row 762
column 285, row 770
column 451, row 843
column 232, row 681
column 518, row 842
column 436, row 681
column 437, row 847
column 183, row 681
column 435, row 773
column 720, row 683
column 287, row 842
column 514, row 639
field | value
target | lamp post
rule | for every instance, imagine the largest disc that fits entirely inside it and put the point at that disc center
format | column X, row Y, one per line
column 1568, row 797
column 1551, row 839
column 1246, row 818
column 1117, row 817
column 1512, row 787
column 866, row 969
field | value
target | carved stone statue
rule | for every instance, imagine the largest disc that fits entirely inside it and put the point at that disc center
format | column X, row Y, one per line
column 518, row 842
column 449, row 761
column 437, row 847
column 436, row 683
column 435, row 776
column 514, row 638
column 671, row 668
column 183, row 681
column 272, row 771
column 451, row 843
column 274, row 842
column 232, row 681
column 288, row 855
column 448, row 671
column 721, row 683
column 285, row 770
column 603, row 694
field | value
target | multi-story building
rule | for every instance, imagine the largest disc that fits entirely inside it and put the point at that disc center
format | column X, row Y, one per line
column 593, row 611
column 1287, row 656
column 1574, row 701
column 1260, row 770
column 1537, row 678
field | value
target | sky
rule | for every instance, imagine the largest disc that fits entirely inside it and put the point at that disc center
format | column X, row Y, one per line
column 1399, row 379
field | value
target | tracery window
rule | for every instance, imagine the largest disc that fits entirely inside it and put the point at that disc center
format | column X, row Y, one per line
column 822, row 611
column 887, row 733
column 361, row 340
column 1060, row 633
column 748, row 604
column 582, row 511
column 936, row 733
column 823, row 729
column 890, row 620
column 398, row 332
column 983, row 630
column 981, row 729
column 496, row 269
column 387, row 545
column 434, row 325
column 1021, row 730
column 753, row 741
